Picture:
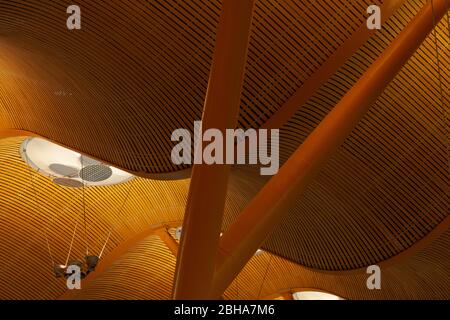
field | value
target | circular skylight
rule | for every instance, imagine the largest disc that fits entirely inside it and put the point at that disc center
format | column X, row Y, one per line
column 69, row 168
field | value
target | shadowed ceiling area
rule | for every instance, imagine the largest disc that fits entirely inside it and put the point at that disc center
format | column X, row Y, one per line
column 115, row 91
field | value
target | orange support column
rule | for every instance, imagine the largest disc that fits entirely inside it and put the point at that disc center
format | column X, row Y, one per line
column 170, row 242
column 328, row 68
column 203, row 218
column 271, row 204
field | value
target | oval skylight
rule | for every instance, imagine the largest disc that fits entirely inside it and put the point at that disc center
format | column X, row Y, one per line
column 315, row 295
column 69, row 168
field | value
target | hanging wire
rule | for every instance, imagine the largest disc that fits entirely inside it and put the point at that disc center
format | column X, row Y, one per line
column 438, row 60
column 71, row 242
column 265, row 276
column 38, row 205
column 48, row 248
column 126, row 197
column 107, row 239
column 237, row 288
column 448, row 23
column 84, row 208
column 119, row 211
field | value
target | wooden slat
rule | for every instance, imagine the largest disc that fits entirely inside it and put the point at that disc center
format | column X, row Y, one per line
column 137, row 71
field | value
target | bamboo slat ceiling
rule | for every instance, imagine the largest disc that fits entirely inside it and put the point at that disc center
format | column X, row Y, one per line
column 146, row 272
column 117, row 88
column 137, row 71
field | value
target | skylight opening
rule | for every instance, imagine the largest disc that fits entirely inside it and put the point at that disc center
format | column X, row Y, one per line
column 314, row 295
column 68, row 168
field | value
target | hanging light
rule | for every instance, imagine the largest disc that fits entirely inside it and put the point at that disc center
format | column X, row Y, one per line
column 59, row 270
column 68, row 168
column 91, row 262
column 78, row 264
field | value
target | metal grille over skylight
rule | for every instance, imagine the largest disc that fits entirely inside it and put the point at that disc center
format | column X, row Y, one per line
column 69, row 168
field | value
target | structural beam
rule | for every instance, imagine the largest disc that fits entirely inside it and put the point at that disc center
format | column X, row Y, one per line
column 328, row 68
column 325, row 71
column 273, row 202
column 206, row 200
column 7, row 133
column 169, row 241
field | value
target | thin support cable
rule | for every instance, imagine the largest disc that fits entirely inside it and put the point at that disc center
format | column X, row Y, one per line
column 448, row 23
column 438, row 62
column 119, row 211
column 48, row 248
column 84, row 209
column 438, row 59
column 37, row 203
column 107, row 239
column 126, row 197
column 265, row 276
column 71, row 242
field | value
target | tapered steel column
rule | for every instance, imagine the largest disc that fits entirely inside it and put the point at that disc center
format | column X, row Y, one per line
column 272, row 203
column 203, row 218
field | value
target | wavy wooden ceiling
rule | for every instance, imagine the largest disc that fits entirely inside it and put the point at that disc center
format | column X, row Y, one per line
column 388, row 185
column 117, row 88
column 33, row 210
column 146, row 272
column 137, row 71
